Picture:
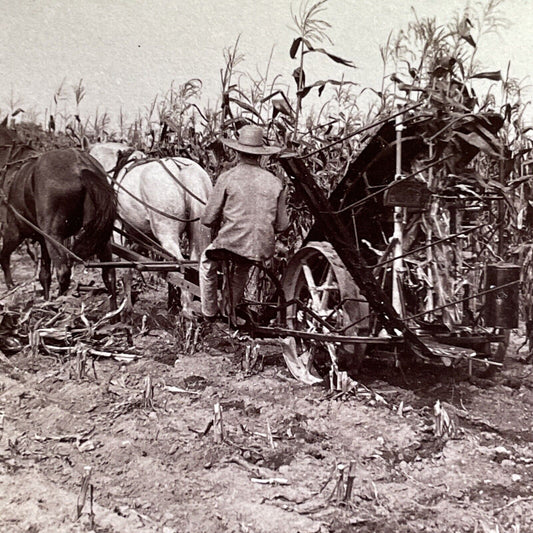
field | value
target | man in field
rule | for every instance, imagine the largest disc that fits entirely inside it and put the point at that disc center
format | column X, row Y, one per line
column 245, row 210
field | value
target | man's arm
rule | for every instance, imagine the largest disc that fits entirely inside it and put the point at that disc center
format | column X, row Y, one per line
column 282, row 218
column 213, row 210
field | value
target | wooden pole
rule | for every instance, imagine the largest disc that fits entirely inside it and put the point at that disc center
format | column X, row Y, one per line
column 397, row 265
column 429, row 237
column 501, row 204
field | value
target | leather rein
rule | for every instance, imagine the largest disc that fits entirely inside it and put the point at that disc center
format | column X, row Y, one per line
column 113, row 176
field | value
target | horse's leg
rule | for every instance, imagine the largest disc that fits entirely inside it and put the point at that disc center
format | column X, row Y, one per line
column 11, row 240
column 199, row 239
column 63, row 275
column 168, row 234
column 61, row 263
column 169, row 239
column 168, row 231
column 45, row 273
column 171, row 244
column 108, row 275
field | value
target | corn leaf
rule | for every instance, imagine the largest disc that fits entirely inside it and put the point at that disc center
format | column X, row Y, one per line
column 281, row 106
column 333, row 57
column 495, row 75
column 299, row 77
column 236, row 123
column 395, row 78
column 304, row 92
column 469, row 39
column 246, row 106
column 476, row 140
column 321, row 85
column 294, row 47
column 464, row 31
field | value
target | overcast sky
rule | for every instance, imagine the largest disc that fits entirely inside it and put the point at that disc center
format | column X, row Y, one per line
column 127, row 51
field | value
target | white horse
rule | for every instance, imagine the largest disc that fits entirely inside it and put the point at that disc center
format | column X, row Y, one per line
column 162, row 198
column 107, row 153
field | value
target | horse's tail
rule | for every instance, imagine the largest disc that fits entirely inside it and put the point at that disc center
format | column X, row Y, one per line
column 99, row 213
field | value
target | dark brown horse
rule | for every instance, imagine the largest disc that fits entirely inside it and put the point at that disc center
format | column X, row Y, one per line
column 59, row 198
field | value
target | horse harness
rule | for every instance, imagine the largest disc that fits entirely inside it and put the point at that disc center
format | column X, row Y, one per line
column 7, row 178
column 10, row 159
column 113, row 176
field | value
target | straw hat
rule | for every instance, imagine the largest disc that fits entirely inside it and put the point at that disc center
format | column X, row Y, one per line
column 250, row 141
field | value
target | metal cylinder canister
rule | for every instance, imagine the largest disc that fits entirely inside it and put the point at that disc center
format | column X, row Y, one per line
column 501, row 305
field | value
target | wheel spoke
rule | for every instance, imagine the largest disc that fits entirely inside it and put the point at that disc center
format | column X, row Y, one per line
column 311, row 285
column 325, row 288
column 332, row 351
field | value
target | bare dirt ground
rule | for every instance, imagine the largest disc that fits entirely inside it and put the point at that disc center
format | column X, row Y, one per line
column 155, row 465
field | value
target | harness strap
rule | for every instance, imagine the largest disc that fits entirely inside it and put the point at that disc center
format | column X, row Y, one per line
column 138, row 236
column 186, row 189
column 6, row 164
column 145, row 204
column 24, row 160
column 141, row 162
column 13, row 153
column 132, row 164
column 158, row 211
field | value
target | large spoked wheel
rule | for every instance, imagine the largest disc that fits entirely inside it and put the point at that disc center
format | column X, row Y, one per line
column 328, row 302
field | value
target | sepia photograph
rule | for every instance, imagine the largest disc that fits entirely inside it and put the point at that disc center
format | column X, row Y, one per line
column 267, row 266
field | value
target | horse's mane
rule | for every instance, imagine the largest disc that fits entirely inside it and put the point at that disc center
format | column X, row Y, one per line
column 122, row 159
